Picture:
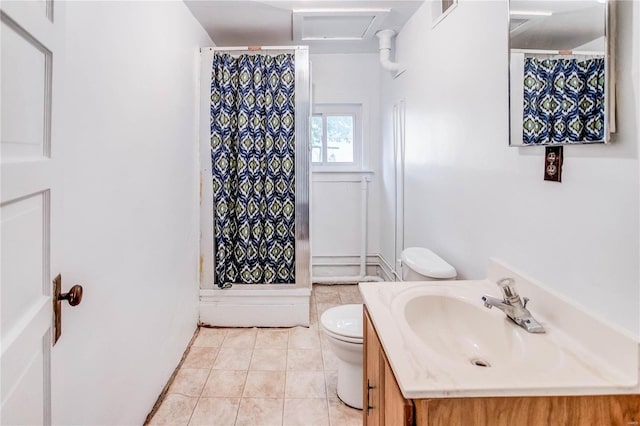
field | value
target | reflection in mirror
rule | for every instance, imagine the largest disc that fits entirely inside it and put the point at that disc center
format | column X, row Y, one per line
column 558, row 72
column 441, row 8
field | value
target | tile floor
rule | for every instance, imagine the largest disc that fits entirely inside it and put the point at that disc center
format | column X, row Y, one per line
column 262, row 376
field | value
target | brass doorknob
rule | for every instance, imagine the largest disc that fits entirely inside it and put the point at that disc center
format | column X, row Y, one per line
column 74, row 296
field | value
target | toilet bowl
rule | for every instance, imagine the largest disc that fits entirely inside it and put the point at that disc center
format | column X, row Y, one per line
column 343, row 328
column 343, row 324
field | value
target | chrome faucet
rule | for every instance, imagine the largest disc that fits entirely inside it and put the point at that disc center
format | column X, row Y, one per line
column 513, row 307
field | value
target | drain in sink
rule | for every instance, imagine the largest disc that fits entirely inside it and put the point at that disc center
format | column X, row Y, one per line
column 479, row 362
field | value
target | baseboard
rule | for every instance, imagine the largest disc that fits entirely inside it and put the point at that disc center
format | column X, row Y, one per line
column 386, row 271
column 340, row 266
column 279, row 307
column 255, row 308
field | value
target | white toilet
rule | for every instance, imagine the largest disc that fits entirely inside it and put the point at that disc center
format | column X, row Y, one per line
column 343, row 324
column 421, row 264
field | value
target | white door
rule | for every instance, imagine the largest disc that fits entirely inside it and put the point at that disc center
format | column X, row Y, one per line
column 31, row 39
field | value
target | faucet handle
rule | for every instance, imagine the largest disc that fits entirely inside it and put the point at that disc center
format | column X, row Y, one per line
column 526, row 300
column 508, row 288
column 507, row 285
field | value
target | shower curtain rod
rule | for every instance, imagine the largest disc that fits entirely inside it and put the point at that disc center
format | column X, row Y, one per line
column 559, row 52
column 250, row 48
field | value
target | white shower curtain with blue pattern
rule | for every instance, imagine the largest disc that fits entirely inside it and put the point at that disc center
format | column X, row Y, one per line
column 253, row 159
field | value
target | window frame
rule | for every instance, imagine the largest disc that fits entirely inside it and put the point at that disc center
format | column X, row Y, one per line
column 339, row 110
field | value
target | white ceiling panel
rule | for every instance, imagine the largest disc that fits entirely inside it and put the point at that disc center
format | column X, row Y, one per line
column 335, row 27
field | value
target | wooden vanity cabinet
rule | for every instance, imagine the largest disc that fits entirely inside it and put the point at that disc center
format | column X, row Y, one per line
column 372, row 409
column 383, row 401
column 384, row 404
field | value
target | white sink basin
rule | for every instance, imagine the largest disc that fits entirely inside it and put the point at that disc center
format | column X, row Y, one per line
column 442, row 341
column 461, row 331
column 464, row 332
column 438, row 334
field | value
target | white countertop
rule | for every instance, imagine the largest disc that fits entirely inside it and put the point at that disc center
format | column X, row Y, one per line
column 582, row 359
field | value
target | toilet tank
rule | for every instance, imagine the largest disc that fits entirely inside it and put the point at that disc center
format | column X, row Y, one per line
column 421, row 264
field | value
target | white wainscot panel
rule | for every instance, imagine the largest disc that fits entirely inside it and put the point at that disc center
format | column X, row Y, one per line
column 336, row 217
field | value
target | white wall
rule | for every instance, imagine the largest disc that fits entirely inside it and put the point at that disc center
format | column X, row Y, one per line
column 469, row 196
column 336, row 218
column 130, row 208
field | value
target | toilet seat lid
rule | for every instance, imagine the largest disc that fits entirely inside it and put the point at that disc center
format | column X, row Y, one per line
column 344, row 320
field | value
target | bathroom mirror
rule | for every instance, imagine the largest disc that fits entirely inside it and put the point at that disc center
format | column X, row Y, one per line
column 558, row 72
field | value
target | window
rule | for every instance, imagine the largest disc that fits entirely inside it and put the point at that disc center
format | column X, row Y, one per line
column 335, row 137
column 440, row 9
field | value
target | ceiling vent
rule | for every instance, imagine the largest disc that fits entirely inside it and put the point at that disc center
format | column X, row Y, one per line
column 521, row 20
column 336, row 24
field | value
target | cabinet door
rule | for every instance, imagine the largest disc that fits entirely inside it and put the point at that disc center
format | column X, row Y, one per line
column 397, row 410
column 373, row 412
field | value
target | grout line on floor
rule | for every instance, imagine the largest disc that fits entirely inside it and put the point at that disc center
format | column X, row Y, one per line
column 194, row 409
column 314, row 325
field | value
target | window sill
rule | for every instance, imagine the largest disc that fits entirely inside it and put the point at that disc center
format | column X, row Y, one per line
column 341, row 175
column 336, row 170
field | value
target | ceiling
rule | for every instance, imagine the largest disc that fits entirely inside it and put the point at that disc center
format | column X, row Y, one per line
column 274, row 23
column 568, row 24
